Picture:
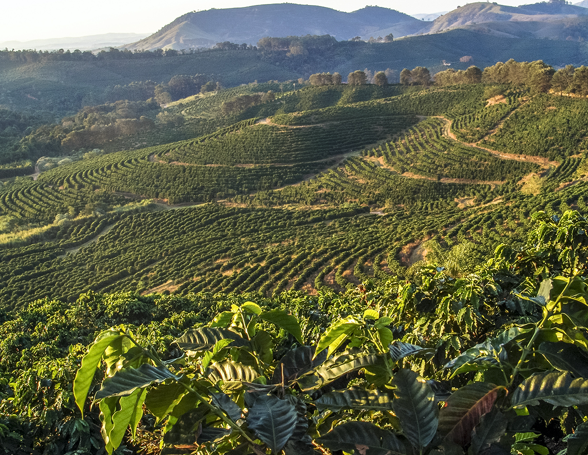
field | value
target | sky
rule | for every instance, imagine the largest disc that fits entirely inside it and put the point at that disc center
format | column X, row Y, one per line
column 26, row 20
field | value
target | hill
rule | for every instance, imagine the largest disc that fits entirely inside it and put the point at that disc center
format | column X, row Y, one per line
column 347, row 240
column 63, row 85
column 482, row 13
column 206, row 28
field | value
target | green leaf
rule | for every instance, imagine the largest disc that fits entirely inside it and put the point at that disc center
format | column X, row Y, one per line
column 296, row 363
column 205, row 338
column 336, row 335
column 125, row 382
column 578, row 442
column 223, row 319
column 210, row 356
column 122, row 418
column 465, row 408
column 545, row 291
column 263, row 345
column 400, row 350
column 224, row 402
column 371, row 314
column 284, row 321
column 566, row 357
column 252, row 308
column 232, row 374
column 383, row 322
column 386, row 336
column 336, row 367
column 357, row 399
column 162, row 399
column 107, row 408
column 138, row 414
column 414, row 404
column 364, row 438
column 85, row 374
column 273, row 420
column 556, row 388
column 491, row 428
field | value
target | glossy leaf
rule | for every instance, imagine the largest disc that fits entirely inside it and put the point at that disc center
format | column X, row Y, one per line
column 578, row 442
column 123, row 417
column 252, row 308
column 162, row 399
column 298, row 362
column 400, row 350
column 357, row 399
column 414, row 404
column 491, row 428
column 371, row 314
column 107, row 409
column 273, row 420
column 224, row 402
column 205, row 338
column 336, row 367
column 284, row 321
column 85, row 375
column 566, row 357
column 465, row 408
column 336, row 335
column 556, row 388
column 223, row 319
column 232, row 374
column 364, row 438
column 125, row 382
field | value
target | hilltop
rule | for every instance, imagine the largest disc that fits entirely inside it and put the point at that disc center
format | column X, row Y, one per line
column 206, row 28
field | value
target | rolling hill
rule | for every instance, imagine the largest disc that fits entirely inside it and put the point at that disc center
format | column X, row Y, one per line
column 206, row 28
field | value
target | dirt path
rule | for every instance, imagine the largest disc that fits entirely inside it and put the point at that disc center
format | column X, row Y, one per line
column 102, row 233
column 37, row 173
column 543, row 162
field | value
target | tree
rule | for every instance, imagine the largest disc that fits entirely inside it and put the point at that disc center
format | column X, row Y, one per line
column 389, row 38
column 337, row 79
column 380, row 79
column 562, row 79
column 268, row 97
column 421, row 76
column 357, row 78
column 580, row 81
column 473, row 75
column 405, row 77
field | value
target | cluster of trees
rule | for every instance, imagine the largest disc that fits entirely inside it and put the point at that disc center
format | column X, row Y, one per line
column 296, row 44
column 473, row 75
column 240, row 103
column 228, row 46
column 33, row 56
column 319, row 79
column 178, row 87
column 418, row 76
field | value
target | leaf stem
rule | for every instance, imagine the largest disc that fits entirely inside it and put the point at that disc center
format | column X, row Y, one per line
column 527, row 349
column 219, row 413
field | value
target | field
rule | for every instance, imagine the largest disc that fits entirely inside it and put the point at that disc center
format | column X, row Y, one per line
column 327, row 207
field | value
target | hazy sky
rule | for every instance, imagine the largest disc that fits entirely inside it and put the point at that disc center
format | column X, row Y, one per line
column 26, row 20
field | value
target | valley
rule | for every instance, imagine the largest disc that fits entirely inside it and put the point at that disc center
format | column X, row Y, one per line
column 289, row 230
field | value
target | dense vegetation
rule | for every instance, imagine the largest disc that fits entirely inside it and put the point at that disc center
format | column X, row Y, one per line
column 433, row 362
column 365, row 214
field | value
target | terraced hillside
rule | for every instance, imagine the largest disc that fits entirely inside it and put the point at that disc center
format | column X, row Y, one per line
column 325, row 197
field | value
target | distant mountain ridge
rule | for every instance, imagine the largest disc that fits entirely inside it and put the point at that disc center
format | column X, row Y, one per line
column 250, row 24
column 82, row 43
